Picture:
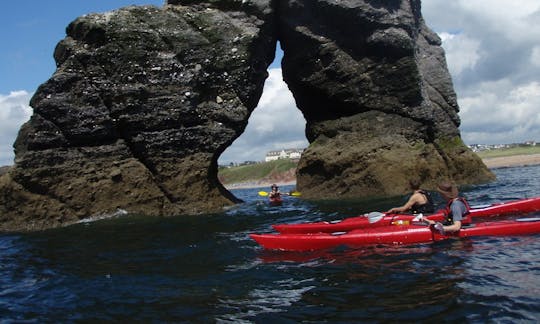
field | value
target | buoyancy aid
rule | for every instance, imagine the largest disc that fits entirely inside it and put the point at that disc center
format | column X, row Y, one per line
column 449, row 218
column 425, row 208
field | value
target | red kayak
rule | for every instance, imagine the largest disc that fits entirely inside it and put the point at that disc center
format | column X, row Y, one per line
column 371, row 220
column 392, row 235
column 277, row 201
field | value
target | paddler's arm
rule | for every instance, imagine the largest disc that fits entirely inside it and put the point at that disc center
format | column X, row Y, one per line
column 453, row 228
column 415, row 198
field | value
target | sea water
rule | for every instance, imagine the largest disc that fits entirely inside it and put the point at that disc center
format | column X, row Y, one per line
column 205, row 268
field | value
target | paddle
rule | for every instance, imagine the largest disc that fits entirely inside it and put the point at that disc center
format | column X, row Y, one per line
column 294, row 193
column 374, row 217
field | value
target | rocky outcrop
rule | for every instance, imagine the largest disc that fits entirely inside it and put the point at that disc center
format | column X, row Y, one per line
column 145, row 99
column 143, row 102
column 372, row 82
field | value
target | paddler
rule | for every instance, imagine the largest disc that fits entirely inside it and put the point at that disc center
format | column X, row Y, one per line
column 274, row 192
column 456, row 211
column 419, row 202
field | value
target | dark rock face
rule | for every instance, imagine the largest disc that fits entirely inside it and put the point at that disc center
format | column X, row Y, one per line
column 145, row 99
column 372, row 82
column 143, row 102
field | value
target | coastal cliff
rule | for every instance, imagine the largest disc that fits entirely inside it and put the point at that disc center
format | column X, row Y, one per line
column 145, row 99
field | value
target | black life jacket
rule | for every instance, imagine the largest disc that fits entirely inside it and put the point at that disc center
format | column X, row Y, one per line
column 275, row 195
column 449, row 218
column 426, row 208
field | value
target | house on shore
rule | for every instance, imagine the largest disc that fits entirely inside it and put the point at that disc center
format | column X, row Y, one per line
column 293, row 154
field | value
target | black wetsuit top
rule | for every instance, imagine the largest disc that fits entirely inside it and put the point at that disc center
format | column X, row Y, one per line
column 426, row 208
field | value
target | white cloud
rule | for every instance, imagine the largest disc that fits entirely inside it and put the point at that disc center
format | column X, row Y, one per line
column 535, row 56
column 462, row 52
column 14, row 111
column 500, row 113
column 275, row 124
column 493, row 55
column 500, row 16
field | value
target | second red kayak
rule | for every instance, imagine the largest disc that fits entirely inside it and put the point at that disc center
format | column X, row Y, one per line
column 392, row 235
column 372, row 220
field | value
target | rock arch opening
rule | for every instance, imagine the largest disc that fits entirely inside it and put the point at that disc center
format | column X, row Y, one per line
column 275, row 124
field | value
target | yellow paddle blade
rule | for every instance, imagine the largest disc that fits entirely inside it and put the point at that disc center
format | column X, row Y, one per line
column 295, row 193
column 263, row 193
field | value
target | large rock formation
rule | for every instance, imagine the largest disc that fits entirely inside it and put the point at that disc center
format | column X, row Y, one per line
column 372, row 82
column 145, row 99
column 143, row 102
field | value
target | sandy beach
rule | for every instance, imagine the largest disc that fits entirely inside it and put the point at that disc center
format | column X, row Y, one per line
column 512, row 161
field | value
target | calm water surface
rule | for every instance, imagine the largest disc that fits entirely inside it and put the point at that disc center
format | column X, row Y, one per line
column 206, row 269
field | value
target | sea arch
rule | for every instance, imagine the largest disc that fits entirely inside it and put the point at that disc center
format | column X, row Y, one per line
column 145, row 100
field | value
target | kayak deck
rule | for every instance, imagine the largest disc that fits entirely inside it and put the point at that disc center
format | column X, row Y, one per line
column 275, row 201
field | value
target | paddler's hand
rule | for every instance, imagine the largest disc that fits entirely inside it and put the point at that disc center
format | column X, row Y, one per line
column 439, row 227
column 425, row 220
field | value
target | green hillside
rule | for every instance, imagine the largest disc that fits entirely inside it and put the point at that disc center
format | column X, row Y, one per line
column 510, row 151
column 254, row 172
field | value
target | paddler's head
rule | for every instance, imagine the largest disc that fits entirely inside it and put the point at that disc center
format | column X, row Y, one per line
column 448, row 190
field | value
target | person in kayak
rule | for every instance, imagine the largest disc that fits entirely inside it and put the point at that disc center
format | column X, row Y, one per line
column 275, row 194
column 419, row 202
column 457, row 209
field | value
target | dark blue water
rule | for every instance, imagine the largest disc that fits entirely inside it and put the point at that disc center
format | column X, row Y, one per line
column 206, row 269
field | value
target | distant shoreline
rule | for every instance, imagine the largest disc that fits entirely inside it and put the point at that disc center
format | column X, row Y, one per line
column 512, row 161
column 492, row 163
column 252, row 185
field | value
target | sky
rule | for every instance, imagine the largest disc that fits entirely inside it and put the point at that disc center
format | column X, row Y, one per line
column 492, row 49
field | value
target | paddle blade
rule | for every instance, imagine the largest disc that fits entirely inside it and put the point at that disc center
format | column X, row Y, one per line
column 263, row 193
column 374, row 217
column 295, row 193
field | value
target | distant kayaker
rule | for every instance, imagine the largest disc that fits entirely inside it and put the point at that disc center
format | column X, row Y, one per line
column 456, row 211
column 419, row 202
column 274, row 192
column 274, row 196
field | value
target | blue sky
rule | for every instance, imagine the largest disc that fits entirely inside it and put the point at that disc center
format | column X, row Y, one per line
column 30, row 31
column 492, row 48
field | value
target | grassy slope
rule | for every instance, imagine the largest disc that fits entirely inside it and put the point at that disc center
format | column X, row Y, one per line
column 252, row 172
column 519, row 150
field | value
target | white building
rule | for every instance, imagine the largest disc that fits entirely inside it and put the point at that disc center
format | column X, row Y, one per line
column 293, row 154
